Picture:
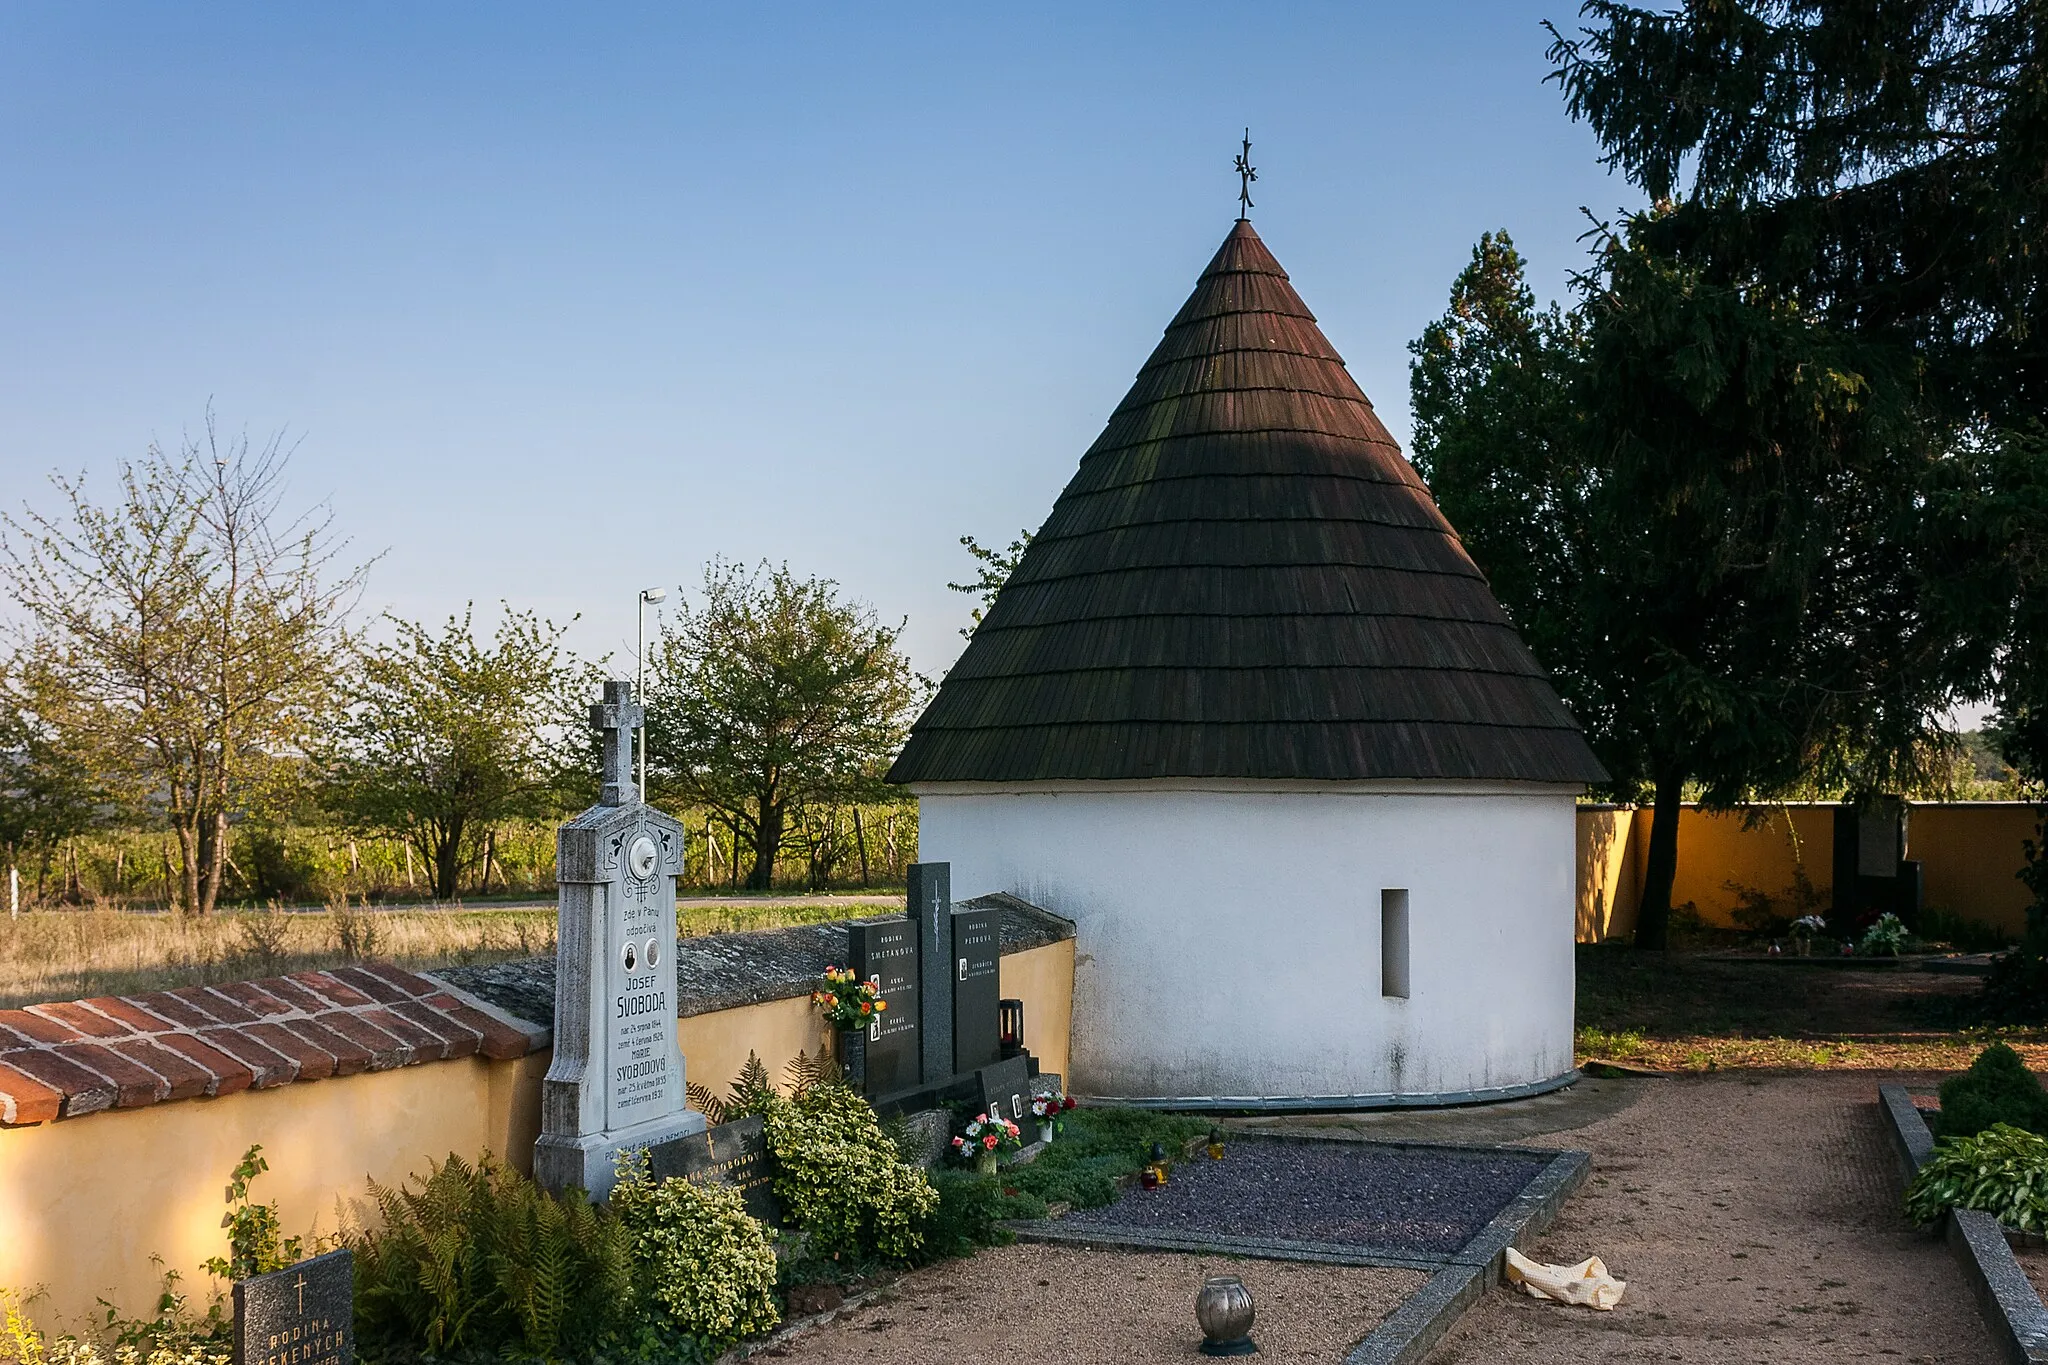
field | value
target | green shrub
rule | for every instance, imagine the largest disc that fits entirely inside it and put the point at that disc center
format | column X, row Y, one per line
column 481, row 1260
column 2002, row 1171
column 1886, row 937
column 1997, row 1088
column 964, row 1219
column 841, row 1179
column 22, row 1344
column 698, row 1255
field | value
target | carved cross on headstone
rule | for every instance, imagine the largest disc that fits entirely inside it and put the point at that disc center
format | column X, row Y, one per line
column 618, row 716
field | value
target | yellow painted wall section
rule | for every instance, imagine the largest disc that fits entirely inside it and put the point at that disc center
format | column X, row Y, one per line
column 1043, row 978
column 1969, row 851
column 1971, row 856
column 85, row 1203
column 1608, row 875
column 715, row 1045
column 1723, row 855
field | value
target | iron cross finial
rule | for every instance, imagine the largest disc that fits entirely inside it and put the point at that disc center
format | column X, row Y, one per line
column 1246, row 173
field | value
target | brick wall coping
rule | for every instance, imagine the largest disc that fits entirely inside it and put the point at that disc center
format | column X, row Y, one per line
column 72, row 1058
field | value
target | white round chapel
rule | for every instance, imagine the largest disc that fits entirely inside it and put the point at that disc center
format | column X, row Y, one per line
column 1249, row 715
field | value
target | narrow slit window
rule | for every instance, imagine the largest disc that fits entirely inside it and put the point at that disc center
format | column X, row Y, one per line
column 1394, row 944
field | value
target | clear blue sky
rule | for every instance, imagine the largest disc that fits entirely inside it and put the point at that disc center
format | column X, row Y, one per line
column 562, row 300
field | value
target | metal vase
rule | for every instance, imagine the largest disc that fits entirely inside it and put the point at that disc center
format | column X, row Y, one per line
column 1224, row 1309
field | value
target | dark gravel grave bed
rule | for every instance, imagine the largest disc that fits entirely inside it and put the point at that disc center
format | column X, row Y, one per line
column 1345, row 1193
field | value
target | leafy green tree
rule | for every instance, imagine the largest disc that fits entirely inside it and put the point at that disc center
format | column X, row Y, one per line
column 992, row 569
column 1879, row 161
column 770, row 694
column 1698, row 504
column 49, row 789
column 192, row 627
column 1876, row 164
column 443, row 736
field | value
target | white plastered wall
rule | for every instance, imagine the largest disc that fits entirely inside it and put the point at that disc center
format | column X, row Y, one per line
column 1229, row 933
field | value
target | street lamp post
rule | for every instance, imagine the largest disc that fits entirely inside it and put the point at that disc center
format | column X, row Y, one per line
column 648, row 596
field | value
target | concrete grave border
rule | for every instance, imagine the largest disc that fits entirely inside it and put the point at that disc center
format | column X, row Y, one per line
column 1456, row 1281
column 2012, row 1309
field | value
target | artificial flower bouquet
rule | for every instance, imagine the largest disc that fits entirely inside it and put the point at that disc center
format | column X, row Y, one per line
column 988, row 1137
column 848, row 1002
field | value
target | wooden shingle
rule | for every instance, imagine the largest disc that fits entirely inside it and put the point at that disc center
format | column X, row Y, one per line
column 1245, row 579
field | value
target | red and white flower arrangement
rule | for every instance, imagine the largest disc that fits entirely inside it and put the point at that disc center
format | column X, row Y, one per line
column 987, row 1137
column 1047, row 1108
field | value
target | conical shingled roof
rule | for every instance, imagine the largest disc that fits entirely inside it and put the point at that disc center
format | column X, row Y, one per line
column 1245, row 579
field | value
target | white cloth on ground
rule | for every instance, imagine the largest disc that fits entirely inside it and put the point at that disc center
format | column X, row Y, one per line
column 1586, row 1283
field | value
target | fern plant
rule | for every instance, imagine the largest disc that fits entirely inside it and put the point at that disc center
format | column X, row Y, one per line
column 478, row 1258
column 751, row 1093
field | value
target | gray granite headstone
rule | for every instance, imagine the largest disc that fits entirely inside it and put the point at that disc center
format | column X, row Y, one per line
column 301, row 1315
column 886, row 954
column 1006, row 1090
column 733, row 1154
column 977, row 968
column 931, row 907
column 616, row 1079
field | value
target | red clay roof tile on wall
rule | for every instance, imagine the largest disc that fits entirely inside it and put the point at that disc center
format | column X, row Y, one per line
column 66, row 1059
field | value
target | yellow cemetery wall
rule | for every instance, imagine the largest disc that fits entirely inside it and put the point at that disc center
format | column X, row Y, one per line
column 85, row 1202
column 1969, row 851
column 715, row 1045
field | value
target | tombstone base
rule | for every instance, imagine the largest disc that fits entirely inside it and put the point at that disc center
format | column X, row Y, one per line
column 590, row 1162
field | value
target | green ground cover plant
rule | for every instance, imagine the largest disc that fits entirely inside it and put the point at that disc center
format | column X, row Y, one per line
column 1997, row 1089
column 1099, row 1149
column 2002, row 1171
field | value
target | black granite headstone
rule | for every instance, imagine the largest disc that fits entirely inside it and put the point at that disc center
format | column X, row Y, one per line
column 977, row 966
column 1006, row 1090
column 301, row 1315
column 886, row 954
column 931, row 907
column 734, row 1154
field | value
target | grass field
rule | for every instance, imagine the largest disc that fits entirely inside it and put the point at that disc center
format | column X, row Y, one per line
column 75, row 954
column 1681, row 1012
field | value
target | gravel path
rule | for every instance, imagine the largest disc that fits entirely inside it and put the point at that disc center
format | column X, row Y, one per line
column 1756, row 1220
column 1384, row 1198
column 1080, row 1307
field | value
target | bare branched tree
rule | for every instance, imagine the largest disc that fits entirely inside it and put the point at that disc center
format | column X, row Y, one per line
column 195, row 628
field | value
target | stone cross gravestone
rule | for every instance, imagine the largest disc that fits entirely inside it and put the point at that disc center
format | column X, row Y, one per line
column 977, row 968
column 616, row 1079
column 931, row 909
column 734, row 1154
column 886, row 954
column 301, row 1315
